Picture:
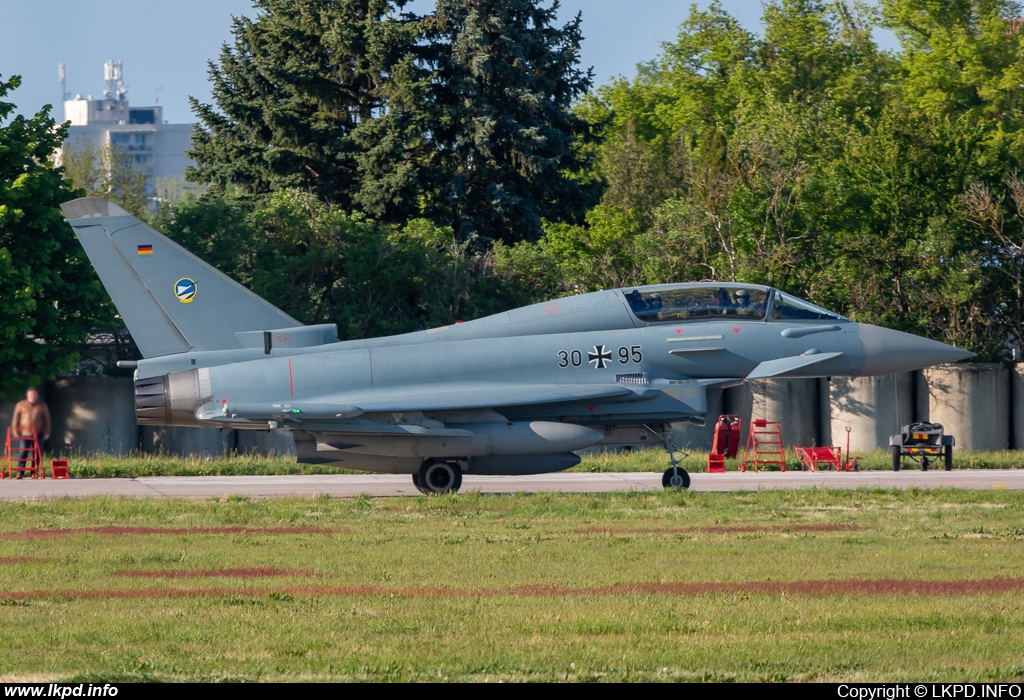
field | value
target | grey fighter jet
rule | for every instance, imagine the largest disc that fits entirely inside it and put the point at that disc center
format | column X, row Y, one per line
column 515, row 393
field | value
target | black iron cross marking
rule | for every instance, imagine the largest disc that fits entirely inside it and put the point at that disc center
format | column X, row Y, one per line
column 599, row 357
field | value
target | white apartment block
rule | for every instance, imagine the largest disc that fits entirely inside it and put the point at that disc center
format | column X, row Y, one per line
column 140, row 132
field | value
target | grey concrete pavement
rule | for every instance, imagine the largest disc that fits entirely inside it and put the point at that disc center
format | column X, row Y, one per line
column 351, row 485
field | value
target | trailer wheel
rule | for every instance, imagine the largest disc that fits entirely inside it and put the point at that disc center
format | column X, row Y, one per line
column 948, row 457
column 895, row 458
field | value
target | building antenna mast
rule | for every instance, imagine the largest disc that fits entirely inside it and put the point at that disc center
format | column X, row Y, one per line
column 116, row 89
column 62, row 73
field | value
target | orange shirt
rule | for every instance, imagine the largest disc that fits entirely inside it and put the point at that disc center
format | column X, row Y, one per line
column 31, row 418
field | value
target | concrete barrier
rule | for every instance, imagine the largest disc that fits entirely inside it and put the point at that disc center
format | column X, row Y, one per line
column 1017, row 406
column 972, row 402
column 792, row 402
column 6, row 416
column 264, row 442
column 176, row 440
column 981, row 405
column 93, row 415
column 873, row 407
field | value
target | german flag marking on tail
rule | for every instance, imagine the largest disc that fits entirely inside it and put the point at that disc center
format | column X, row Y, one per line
column 145, row 250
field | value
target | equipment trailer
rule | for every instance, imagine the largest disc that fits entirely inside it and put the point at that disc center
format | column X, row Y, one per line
column 923, row 442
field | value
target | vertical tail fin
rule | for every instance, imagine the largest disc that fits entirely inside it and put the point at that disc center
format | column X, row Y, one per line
column 170, row 300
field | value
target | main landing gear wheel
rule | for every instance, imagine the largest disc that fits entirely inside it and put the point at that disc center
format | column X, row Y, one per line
column 675, row 478
column 436, row 476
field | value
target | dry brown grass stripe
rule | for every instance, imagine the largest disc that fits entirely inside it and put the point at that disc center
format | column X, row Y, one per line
column 118, row 531
column 886, row 587
column 724, row 529
column 239, row 572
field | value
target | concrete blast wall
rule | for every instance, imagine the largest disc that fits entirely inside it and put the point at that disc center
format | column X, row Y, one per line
column 972, row 402
column 874, row 408
column 93, row 414
column 1017, row 406
column 97, row 415
column 981, row 405
column 795, row 403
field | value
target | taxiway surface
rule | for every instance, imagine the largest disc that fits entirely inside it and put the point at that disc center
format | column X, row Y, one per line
column 351, row 485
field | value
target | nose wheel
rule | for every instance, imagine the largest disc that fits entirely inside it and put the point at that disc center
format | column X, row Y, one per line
column 675, row 477
column 438, row 476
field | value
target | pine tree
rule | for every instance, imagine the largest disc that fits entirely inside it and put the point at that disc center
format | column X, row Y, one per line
column 499, row 142
column 299, row 80
column 463, row 116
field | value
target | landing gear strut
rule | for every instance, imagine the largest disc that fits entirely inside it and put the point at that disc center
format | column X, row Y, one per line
column 675, row 477
column 438, row 476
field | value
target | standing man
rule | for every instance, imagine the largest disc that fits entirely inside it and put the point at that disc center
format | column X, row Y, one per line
column 31, row 417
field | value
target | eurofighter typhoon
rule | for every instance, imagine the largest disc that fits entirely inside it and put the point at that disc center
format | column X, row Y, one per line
column 511, row 394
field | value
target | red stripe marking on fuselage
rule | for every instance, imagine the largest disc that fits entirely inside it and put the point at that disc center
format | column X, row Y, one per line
column 291, row 379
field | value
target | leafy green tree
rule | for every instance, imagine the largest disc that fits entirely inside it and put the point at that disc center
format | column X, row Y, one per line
column 324, row 265
column 49, row 295
column 107, row 172
column 962, row 58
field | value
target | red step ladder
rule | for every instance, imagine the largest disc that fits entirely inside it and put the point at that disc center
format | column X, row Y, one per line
column 10, row 461
column 765, row 440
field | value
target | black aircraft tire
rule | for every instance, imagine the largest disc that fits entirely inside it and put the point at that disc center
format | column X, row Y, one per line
column 682, row 479
column 417, row 484
column 948, row 458
column 437, row 477
column 895, row 458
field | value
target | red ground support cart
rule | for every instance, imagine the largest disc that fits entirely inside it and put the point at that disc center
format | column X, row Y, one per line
column 815, row 458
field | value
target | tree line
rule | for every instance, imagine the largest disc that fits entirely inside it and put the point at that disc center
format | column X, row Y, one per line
column 388, row 171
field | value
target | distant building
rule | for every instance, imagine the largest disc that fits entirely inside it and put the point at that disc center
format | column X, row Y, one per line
column 140, row 132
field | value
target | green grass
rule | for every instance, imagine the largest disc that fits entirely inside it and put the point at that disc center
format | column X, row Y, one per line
column 101, row 465
column 476, row 552
column 648, row 460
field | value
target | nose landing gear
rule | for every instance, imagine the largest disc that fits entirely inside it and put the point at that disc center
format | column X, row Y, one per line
column 675, row 477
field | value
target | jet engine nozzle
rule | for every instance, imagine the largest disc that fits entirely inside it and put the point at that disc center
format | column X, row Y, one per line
column 172, row 399
column 888, row 351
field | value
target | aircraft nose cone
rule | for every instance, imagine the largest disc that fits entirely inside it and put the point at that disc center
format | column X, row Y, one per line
column 888, row 351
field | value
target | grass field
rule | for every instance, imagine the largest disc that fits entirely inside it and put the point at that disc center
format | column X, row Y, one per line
column 650, row 460
column 779, row 585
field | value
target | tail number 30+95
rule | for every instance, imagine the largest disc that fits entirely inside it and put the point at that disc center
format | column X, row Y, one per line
column 600, row 357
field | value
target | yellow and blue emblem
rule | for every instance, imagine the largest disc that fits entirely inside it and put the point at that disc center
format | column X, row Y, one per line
column 185, row 289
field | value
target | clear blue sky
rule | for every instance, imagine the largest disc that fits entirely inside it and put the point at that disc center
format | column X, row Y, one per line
column 165, row 45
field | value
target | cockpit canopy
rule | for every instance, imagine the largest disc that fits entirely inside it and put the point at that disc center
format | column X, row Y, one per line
column 710, row 302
